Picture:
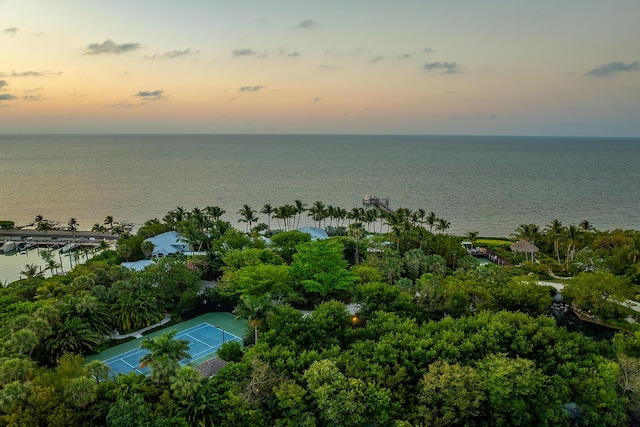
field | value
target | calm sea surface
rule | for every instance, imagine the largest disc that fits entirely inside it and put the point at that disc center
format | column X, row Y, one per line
column 489, row 184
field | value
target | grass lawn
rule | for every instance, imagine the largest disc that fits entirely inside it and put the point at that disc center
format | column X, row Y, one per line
column 497, row 242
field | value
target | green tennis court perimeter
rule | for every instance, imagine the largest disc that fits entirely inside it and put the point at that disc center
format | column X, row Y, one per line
column 203, row 332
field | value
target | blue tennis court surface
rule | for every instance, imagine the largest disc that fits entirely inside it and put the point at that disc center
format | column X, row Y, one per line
column 204, row 339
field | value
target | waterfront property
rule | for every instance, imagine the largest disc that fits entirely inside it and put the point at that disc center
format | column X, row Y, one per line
column 170, row 243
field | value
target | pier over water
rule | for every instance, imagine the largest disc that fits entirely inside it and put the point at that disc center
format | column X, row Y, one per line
column 378, row 202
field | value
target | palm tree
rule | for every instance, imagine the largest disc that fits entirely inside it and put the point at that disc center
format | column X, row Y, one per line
column 165, row 353
column 255, row 309
column 98, row 370
column 31, row 271
column 23, row 341
column 396, row 222
column 555, row 231
column 108, row 221
column 431, row 220
column 586, row 226
column 186, row 383
column 72, row 225
column 472, row 236
column 572, row 235
column 124, row 251
column 192, row 234
column 81, row 391
column 215, row 212
column 52, row 265
column 147, row 248
column 72, row 335
column 370, row 217
column 443, row 225
column 356, row 214
column 44, row 225
column 634, row 250
column 14, row 395
column 317, row 212
column 97, row 228
column 248, row 215
column 341, row 215
column 356, row 231
column 268, row 210
column 136, row 309
column 300, row 207
column 528, row 233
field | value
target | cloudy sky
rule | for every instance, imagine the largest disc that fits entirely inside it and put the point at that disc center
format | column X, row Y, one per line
column 494, row 67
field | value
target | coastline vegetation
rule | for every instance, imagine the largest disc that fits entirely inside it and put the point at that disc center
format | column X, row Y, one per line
column 388, row 321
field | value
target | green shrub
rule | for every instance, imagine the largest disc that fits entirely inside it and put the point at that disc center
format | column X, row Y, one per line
column 231, row 351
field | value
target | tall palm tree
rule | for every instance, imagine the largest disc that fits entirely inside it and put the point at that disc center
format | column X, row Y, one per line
column 341, row 215
column 290, row 213
column 397, row 223
column 356, row 214
column 317, row 212
column 300, row 207
column 248, row 215
column 72, row 226
column 431, row 220
column 555, row 230
column 572, row 234
column 52, row 265
column 255, row 309
column 268, row 210
column 356, row 231
column 370, row 217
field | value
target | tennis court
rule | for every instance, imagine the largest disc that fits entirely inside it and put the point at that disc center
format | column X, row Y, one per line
column 204, row 340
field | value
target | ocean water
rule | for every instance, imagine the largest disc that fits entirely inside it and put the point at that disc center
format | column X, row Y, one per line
column 488, row 184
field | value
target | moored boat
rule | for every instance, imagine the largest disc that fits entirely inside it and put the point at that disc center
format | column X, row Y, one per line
column 8, row 247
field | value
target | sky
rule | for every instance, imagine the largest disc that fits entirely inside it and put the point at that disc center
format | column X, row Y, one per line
column 461, row 67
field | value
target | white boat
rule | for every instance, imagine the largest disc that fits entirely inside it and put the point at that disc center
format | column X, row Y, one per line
column 8, row 247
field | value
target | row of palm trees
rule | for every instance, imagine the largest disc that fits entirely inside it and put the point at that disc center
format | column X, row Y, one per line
column 290, row 215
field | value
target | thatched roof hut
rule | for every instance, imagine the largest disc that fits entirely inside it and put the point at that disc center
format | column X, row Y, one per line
column 524, row 246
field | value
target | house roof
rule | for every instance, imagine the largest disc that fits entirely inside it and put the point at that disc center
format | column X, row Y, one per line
column 168, row 243
column 138, row 265
column 315, row 232
column 211, row 367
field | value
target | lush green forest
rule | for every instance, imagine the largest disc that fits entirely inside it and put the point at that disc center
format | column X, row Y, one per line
column 388, row 322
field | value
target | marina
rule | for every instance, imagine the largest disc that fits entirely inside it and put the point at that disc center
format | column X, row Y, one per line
column 20, row 247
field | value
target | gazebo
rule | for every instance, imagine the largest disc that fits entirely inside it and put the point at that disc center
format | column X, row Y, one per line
column 524, row 246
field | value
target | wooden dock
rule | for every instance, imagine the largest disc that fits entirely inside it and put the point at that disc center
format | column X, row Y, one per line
column 378, row 202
